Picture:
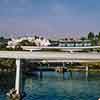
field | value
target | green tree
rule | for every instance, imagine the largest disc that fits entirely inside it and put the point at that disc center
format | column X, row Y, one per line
column 73, row 41
column 98, row 42
column 83, row 39
column 27, row 43
column 7, row 63
column 2, row 39
column 91, row 35
column 24, row 43
column 99, row 36
column 66, row 39
column 93, row 42
column 18, row 48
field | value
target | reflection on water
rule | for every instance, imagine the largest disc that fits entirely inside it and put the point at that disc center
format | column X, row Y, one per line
column 56, row 86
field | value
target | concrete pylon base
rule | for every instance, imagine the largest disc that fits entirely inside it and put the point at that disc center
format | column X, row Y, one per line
column 15, row 97
column 12, row 95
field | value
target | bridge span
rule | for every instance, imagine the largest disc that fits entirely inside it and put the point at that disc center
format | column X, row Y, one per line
column 48, row 57
column 52, row 56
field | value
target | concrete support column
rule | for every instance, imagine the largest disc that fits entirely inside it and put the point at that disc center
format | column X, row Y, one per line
column 48, row 65
column 63, row 64
column 87, row 68
column 41, row 72
column 31, row 50
column 17, row 82
column 71, row 51
column 63, row 67
column 63, row 70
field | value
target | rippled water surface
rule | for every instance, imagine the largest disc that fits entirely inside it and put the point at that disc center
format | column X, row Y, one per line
column 55, row 86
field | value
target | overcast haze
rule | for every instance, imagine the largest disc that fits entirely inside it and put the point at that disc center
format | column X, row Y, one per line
column 50, row 17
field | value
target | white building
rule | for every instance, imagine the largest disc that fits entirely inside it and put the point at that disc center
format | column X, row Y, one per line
column 38, row 41
column 43, row 42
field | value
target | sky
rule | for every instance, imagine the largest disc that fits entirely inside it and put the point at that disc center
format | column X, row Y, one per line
column 50, row 18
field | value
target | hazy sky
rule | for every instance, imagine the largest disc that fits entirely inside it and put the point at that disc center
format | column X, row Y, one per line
column 50, row 17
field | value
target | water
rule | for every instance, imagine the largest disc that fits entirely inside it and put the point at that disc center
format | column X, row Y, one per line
column 56, row 86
